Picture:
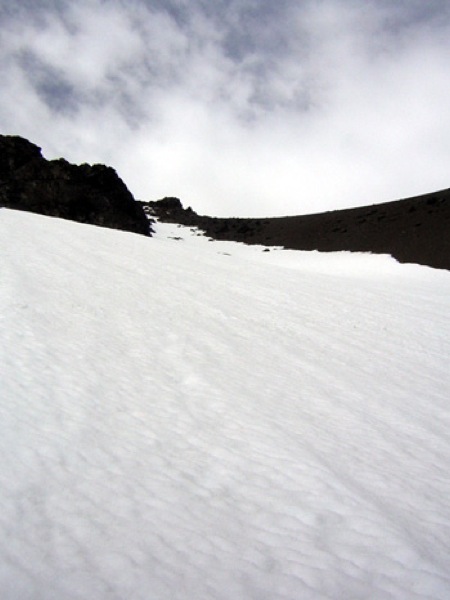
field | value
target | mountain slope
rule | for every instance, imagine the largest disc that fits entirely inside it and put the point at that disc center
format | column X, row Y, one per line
column 190, row 419
column 413, row 230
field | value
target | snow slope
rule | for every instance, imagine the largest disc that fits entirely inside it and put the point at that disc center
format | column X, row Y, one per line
column 184, row 419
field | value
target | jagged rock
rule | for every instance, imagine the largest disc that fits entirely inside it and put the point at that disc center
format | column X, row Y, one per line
column 85, row 193
column 169, row 209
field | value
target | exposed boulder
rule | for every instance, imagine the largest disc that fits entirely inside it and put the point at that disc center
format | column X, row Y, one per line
column 170, row 210
column 85, row 193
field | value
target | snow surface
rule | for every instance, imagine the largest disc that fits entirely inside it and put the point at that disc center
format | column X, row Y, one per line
column 186, row 419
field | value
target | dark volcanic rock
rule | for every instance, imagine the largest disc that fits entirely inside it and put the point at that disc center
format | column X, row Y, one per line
column 414, row 230
column 84, row 193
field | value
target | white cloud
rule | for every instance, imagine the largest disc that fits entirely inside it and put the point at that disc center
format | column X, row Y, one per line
column 241, row 108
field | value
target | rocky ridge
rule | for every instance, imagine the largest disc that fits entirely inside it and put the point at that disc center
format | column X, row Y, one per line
column 412, row 230
column 85, row 193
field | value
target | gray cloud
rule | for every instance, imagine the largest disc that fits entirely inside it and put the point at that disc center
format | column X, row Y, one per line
column 239, row 107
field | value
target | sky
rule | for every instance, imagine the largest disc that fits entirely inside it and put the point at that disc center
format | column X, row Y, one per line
column 176, row 425
column 238, row 107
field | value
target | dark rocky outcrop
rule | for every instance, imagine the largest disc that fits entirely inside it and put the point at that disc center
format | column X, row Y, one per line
column 413, row 230
column 85, row 193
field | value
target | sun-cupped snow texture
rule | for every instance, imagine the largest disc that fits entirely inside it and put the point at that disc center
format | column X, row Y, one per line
column 184, row 419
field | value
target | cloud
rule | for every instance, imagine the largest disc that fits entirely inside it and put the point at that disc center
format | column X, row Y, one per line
column 241, row 107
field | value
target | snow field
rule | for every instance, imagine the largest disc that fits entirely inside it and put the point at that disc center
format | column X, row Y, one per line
column 190, row 419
